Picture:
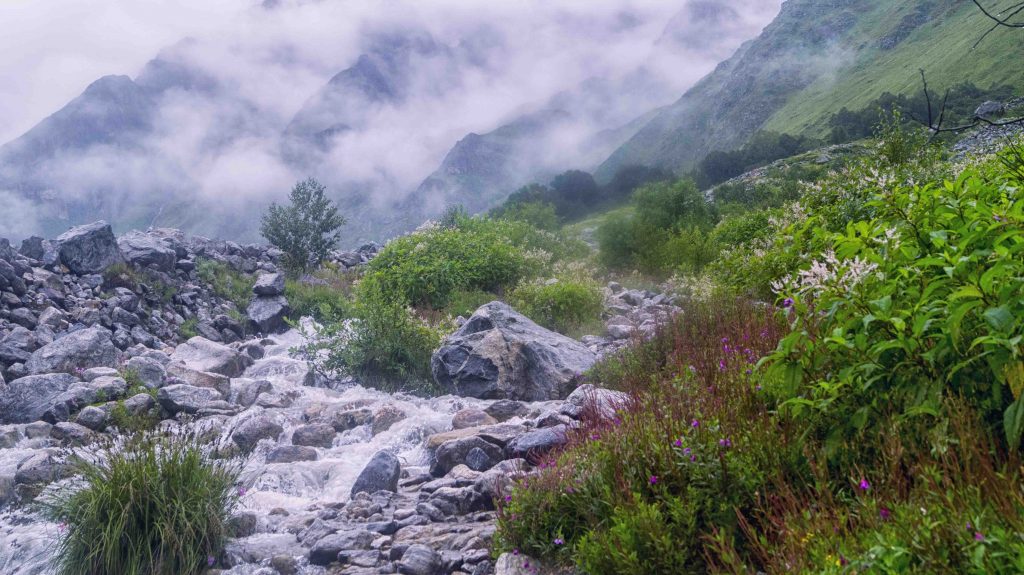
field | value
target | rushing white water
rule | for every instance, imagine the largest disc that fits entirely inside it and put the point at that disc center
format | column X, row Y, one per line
column 27, row 540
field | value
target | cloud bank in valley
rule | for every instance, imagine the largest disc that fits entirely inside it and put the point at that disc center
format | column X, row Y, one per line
column 221, row 144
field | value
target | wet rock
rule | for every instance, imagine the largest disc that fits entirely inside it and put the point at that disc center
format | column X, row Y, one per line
column 285, row 564
column 149, row 371
column 501, row 354
column 385, row 417
column 90, row 347
column 420, row 560
column 251, row 431
column 537, row 443
column 478, row 460
column 144, row 250
column 92, row 417
column 242, row 523
column 221, row 383
column 606, row 401
column 202, row 354
column 88, row 249
column 269, row 285
column 267, row 314
column 245, row 391
column 454, row 452
column 314, row 435
column 471, row 418
column 72, row 433
column 326, row 550
column 381, row 473
column 26, row 399
column 291, row 454
column 282, row 367
column 38, row 429
column 350, row 419
column 38, row 468
column 189, row 398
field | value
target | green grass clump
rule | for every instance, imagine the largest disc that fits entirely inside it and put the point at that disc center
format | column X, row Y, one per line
column 571, row 304
column 189, row 329
column 149, row 505
column 328, row 297
column 225, row 281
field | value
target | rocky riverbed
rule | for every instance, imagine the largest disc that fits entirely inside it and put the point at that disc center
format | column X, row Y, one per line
column 336, row 477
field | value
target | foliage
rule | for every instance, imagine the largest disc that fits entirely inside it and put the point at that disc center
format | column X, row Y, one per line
column 189, row 328
column 306, row 229
column 326, row 294
column 225, row 281
column 539, row 214
column 763, row 147
column 126, row 276
column 148, row 505
column 567, row 303
column 918, row 303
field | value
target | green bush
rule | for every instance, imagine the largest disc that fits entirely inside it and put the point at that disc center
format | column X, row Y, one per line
column 567, row 303
column 306, row 229
column 189, row 328
column 151, row 505
column 540, row 215
column 225, row 281
column 327, row 296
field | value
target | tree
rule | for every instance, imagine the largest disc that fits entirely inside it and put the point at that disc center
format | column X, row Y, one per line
column 306, row 229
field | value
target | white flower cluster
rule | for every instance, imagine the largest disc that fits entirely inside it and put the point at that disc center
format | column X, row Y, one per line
column 827, row 274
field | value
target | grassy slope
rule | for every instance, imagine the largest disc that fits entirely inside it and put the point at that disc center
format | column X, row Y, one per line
column 942, row 47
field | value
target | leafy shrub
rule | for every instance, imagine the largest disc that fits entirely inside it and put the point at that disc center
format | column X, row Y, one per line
column 921, row 302
column 327, row 294
column 152, row 504
column 385, row 343
column 540, row 215
column 189, row 328
column 225, row 281
column 567, row 303
column 465, row 302
column 306, row 229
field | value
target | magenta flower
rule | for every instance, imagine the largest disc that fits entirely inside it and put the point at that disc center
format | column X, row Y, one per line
column 694, row 423
column 978, row 536
column 653, row 479
column 210, row 561
column 721, row 365
column 241, row 492
column 686, row 451
column 559, row 542
column 678, row 443
column 508, row 499
column 788, row 302
column 725, row 442
column 864, row 485
column 884, row 513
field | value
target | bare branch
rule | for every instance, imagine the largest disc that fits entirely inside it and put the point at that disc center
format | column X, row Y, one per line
column 1002, row 21
column 937, row 128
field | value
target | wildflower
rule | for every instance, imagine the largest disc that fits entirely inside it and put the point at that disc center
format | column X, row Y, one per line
column 978, row 536
column 653, row 479
column 508, row 499
column 693, row 369
column 515, row 552
column 686, row 451
column 725, row 442
column 693, row 458
column 725, row 340
column 997, row 218
column 559, row 542
column 721, row 365
column 62, row 527
column 595, row 436
column 748, row 372
column 884, row 513
column 787, row 303
column 694, row 423
column 864, row 485
column 678, row 443
column 210, row 561
column 241, row 491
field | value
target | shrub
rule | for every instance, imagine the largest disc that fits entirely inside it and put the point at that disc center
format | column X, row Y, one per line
column 326, row 295
column 149, row 505
column 225, row 281
column 567, row 303
column 189, row 328
column 306, row 229
column 540, row 215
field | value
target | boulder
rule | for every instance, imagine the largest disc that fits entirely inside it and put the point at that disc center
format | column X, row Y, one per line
column 144, row 250
column 291, row 454
column 255, row 429
column 381, row 473
column 88, row 249
column 421, row 560
column 92, row 417
column 149, row 371
column 188, row 398
column 501, row 354
column 279, row 367
column 325, row 551
column 198, row 378
column 605, row 401
column 26, row 399
column 314, row 435
column 537, row 443
column 202, row 354
column 269, row 285
column 454, row 452
column 82, row 349
column 267, row 314
column 471, row 418
column 33, row 247
column 40, row 467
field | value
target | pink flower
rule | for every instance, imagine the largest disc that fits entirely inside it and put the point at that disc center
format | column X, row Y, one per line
column 694, row 423
column 241, row 492
column 864, row 485
column 678, row 443
column 653, row 479
column 978, row 536
column 884, row 513
column 559, row 542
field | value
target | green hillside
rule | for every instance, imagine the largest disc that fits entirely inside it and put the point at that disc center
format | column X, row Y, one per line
column 817, row 57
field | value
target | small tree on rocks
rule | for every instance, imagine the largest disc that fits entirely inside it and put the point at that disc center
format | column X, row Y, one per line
column 306, row 229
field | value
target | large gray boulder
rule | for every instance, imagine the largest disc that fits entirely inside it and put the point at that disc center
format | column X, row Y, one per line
column 267, row 314
column 501, row 354
column 381, row 473
column 144, row 250
column 254, row 429
column 26, row 399
column 88, row 249
column 202, row 354
column 269, row 285
column 82, row 349
column 185, row 398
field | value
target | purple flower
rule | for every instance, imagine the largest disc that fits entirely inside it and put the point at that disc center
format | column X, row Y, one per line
column 241, row 492
column 725, row 340
column 693, row 369
column 721, row 365
column 559, row 541
column 508, row 499
column 210, row 561
column 653, row 479
column 725, row 442
column 978, row 536
column 997, row 218
column 693, row 458
column 686, row 451
column 678, row 443
column 515, row 552
column 884, row 513
column 864, row 485
column 694, row 423
column 788, row 302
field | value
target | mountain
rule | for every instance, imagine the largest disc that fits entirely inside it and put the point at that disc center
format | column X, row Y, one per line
column 815, row 58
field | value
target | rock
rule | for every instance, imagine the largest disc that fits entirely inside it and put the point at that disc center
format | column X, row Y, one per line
column 32, row 247
column 269, row 285
column 242, row 523
column 471, row 418
column 989, row 109
column 139, row 404
column 385, row 417
column 37, row 468
column 501, row 354
column 279, row 367
column 82, row 349
column 291, row 454
column 326, row 550
column 285, row 565
column 267, row 314
column 88, row 249
column 38, row 429
column 189, row 398
column 98, row 372
column 314, row 435
column 221, row 383
column 149, row 371
column 144, row 250
column 454, row 452
column 254, row 429
column 24, row 317
column 537, row 443
column 510, row 564
column 478, row 460
column 606, row 401
column 26, row 399
column 420, row 560
column 350, row 419
column 72, row 433
column 245, row 391
column 92, row 417
column 53, row 318
column 380, row 474
column 202, row 354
